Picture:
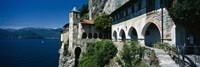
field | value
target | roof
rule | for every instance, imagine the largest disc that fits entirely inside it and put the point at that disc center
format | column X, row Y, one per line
column 87, row 22
column 75, row 10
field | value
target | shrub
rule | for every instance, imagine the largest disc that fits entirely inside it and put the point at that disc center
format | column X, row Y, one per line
column 132, row 55
column 166, row 47
column 98, row 54
column 103, row 23
column 153, row 60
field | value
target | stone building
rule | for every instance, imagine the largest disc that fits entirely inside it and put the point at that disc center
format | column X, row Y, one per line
column 74, row 38
column 145, row 21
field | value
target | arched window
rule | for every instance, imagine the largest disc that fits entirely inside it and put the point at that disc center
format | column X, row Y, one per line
column 115, row 35
column 84, row 35
column 133, row 34
column 122, row 34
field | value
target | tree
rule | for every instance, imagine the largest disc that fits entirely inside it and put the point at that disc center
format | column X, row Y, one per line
column 132, row 55
column 103, row 23
column 186, row 12
column 98, row 54
column 83, row 11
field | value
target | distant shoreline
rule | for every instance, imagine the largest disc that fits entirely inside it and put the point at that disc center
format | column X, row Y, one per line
column 27, row 38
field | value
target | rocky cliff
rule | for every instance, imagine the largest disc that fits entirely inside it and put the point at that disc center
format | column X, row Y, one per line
column 112, row 5
column 96, row 7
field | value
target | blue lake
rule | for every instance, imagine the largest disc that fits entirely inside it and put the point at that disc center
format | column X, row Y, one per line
column 29, row 52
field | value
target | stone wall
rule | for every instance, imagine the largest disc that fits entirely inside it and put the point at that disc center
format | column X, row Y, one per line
column 142, row 22
column 69, row 59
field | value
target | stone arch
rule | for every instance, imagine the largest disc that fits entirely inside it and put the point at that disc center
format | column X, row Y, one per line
column 115, row 35
column 84, row 35
column 90, row 35
column 95, row 35
column 100, row 35
column 122, row 34
column 151, row 34
column 133, row 34
column 77, row 55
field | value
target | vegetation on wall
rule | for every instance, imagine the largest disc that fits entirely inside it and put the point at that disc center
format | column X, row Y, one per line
column 132, row 56
column 98, row 54
column 103, row 23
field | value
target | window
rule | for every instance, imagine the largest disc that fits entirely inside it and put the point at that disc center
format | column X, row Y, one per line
column 84, row 35
column 139, row 5
column 150, row 6
column 133, row 9
column 113, row 18
column 127, row 12
column 118, row 16
column 121, row 14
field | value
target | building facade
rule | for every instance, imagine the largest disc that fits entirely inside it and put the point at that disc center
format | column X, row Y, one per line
column 145, row 21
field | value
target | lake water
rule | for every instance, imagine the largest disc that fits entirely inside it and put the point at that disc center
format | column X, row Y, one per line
column 29, row 52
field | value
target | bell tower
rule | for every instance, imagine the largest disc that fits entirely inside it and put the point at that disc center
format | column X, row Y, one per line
column 74, row 19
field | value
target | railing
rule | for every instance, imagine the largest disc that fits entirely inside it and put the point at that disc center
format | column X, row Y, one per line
column 196, row 53
column 180, row 57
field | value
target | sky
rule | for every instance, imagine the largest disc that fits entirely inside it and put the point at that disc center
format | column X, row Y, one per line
column 36, row 13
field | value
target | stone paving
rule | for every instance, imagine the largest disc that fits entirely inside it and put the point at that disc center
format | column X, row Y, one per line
column 164, row 59
column 197, row 61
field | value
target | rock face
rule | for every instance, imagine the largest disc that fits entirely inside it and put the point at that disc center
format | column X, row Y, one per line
column 96, row 7
column 112, row 5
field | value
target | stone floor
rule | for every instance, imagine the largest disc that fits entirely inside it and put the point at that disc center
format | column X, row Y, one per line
column 197, row 61
column 164, row 59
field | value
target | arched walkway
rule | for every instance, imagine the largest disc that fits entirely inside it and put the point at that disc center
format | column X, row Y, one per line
column 115, row 35
column 152, row 35
column 90, row 35
column 95, row 35
column 133, row 34
column 122, row 35
column 77, row 54
column 84, row 35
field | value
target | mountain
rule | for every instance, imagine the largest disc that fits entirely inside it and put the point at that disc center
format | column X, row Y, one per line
column 30, row 33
